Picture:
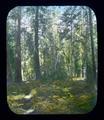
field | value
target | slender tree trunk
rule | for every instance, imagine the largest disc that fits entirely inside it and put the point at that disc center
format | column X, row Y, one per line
column 9, row 71
column 37, row 62
column 9, row 68
column 92, row 44
column 71, row 53
column 86, row 58
column 18, row 48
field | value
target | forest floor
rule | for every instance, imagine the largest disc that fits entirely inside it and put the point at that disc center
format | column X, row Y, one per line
column 51, row 97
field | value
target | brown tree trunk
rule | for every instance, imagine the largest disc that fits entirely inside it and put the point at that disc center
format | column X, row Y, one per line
column 92, row 44
column 9, row 68
column 18, row 48
column 37, row 62
column 9, row 72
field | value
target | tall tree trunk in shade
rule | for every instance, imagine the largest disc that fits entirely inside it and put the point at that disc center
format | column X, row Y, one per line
column 9, row 68
column 18, row 48
column 37, row 62
column 92, row 44
column 9, row 71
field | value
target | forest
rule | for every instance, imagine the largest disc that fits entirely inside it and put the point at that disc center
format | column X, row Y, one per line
column 51, row 59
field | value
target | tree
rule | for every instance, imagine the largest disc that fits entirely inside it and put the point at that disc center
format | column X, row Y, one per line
column 9, row 67
column 92, row 44
column 51, row 43
column 68, row 21
column 18, row 48
column 37, row 62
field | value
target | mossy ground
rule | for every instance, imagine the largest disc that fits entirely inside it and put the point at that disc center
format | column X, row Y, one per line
column 51, row 97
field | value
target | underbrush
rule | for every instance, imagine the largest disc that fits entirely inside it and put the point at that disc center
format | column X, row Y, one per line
column 51, row 97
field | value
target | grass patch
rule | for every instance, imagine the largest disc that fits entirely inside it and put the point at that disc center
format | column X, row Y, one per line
column 69, row 97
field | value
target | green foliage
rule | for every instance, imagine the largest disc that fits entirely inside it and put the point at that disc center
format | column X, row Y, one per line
column 64, row 42
column 69, row 97
column 53, row 45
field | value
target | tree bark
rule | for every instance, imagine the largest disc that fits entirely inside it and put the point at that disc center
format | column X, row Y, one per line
column 92, row 44
column 9, row 68
column 9, row 72
column 18, row 48
column 37, row 62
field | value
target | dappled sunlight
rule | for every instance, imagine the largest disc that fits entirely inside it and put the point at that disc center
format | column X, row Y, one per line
column 53, row 98
column 78, row 78
column 51, row 59
column 16, row 97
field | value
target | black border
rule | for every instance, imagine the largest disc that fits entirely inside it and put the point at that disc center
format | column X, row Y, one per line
column 5, row 7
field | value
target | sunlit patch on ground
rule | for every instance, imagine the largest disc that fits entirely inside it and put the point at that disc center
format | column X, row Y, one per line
column 53, row 98
column 78, row 78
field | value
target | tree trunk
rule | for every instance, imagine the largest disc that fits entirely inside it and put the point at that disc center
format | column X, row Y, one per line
column 9, row 68
column 71, row 51
column 9, row 72
column 37, row 62
column 92, row 45
column 18, row 48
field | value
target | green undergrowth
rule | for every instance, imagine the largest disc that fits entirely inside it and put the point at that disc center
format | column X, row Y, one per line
column 51, row 97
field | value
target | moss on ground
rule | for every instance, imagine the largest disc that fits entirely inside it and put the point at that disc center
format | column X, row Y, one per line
column 69, row 97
